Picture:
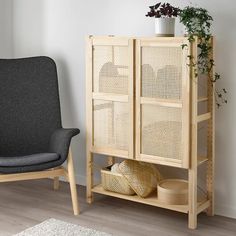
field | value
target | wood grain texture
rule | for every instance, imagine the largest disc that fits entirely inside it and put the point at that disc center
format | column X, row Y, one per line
column 60, row 171
column 211, row 139
column 89, row 115
column 192, row 172
column 131, row 97
column 21, row 207
column 73, row 189
column 138, row 135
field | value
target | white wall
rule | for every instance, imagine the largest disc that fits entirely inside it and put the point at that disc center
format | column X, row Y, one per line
column 28, row 27
column 58, row 27
column 5, row 28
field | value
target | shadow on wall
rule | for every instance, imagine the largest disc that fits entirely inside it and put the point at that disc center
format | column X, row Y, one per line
column 67, row 101
column 68, row 109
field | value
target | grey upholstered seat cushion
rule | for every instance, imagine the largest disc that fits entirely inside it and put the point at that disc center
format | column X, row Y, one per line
column 28, row 160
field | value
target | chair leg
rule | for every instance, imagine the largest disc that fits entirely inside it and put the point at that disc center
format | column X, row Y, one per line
column 56, row 183
column 71, row 177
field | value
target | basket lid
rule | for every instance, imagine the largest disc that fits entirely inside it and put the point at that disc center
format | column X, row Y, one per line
column 174, row 185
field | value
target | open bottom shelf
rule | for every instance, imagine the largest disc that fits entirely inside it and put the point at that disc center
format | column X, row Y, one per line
column 151, row 200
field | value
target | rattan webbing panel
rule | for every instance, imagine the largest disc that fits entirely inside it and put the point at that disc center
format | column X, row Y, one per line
column 110, row 69
column 110, row 124
column 161, row 75
column 161, row 132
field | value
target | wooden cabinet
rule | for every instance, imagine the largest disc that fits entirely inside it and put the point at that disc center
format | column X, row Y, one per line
column 143, row 104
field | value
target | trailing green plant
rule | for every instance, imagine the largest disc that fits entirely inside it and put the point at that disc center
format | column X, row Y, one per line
column 197, row 22
column 163, row 10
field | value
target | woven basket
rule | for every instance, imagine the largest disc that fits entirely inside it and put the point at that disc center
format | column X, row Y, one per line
column 115, row 182
column 141, row 177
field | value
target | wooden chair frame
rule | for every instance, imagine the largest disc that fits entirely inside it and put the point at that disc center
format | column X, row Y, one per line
column 55, row 173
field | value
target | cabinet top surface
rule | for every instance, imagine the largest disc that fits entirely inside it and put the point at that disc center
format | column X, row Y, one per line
column 135, row 37
column 139, row 37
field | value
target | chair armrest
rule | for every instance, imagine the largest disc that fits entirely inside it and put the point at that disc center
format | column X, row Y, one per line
column 60, row 141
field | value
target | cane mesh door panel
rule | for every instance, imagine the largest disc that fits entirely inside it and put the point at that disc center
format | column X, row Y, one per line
column 112, row 91
column 110, row 69
column 111, row 124
column 161, row 131
column 161, row 72
column 162, row 103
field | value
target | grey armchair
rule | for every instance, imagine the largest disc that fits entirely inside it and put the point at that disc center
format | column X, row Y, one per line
column 33, row 144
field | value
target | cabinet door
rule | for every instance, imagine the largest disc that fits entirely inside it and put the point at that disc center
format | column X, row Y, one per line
column 162, row 101
column 110, row 90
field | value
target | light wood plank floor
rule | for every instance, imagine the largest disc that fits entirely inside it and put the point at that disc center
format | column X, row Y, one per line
column 24, row 204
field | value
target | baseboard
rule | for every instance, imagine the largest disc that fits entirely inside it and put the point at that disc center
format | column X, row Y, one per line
column 227, row 211
column 80, row 180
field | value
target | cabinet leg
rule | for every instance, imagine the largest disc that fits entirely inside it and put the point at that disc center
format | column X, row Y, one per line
column 192, row 221
column 210, row 189
column 192, row 199
column 89, row 177
column 211, row 141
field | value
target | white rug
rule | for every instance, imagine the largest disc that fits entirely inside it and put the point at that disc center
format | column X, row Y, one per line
column 53, row 227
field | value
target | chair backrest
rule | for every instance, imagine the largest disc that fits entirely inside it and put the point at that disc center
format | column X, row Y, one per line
column 29, row 105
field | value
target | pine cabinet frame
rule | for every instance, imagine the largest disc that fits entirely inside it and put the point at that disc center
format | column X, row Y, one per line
column 190, row 118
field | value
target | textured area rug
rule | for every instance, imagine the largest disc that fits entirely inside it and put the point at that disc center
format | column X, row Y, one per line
column 53, row 227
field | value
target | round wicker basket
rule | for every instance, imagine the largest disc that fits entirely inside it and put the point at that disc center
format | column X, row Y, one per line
column 173, row 191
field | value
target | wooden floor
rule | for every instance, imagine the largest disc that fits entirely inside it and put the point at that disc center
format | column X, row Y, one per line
column 25, row 204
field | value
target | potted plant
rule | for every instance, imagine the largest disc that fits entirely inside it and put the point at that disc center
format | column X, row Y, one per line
column 197, row 22
column 164, row 15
